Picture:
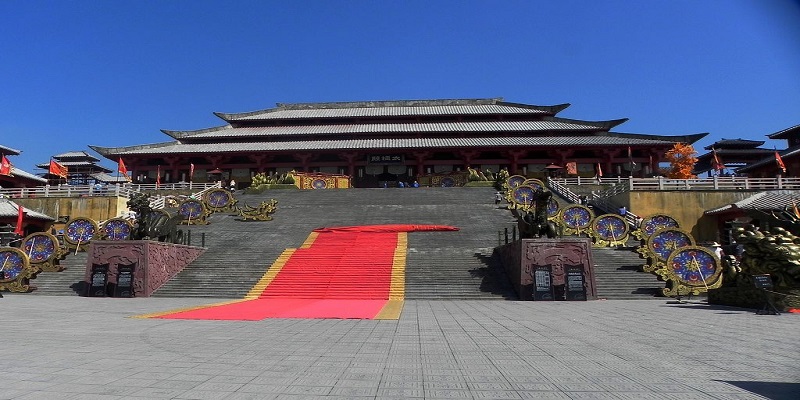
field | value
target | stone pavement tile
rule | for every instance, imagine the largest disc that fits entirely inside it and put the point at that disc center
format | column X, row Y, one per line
column 7, row 394
column 372, row 376
column 623, row 387
column 252, row 396
column 188, row 376
column 642, row 396
column 534, row 386
column 308, row 390
column 400, row 393
column 219, row 386
column 542, row 395
column 579, row 387
column 743, row 396
column 319, row 375
column 591, row 395
column 45, row 395
column 444, row 379
column 203, row 395
column 158, row 393
column 447, row 394
column 495, row 394
column 261, row 388
column 271, row 380
column 314, row 382
column 499, row 386
column 353, row 391
column 232, row 377
column 171, row 384
column 455, row 385
column 401, row 384
column 479, row 378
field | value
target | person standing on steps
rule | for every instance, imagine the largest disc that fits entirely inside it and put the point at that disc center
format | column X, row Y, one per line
column 498, row 197
column 232, row 185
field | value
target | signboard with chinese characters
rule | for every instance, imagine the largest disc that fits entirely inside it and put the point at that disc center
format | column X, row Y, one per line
column 385, row 159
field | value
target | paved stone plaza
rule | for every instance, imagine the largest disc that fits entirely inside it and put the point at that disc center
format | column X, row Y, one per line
column 90, row 348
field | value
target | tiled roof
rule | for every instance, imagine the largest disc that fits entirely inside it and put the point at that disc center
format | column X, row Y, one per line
column 8, row 151
column 734, row 143
column 392, row 143
column 784, row 134
column 103, row 177
column 392, row 109
column 9, row 209
column 426, row 127
column 75, row 164
column 770, row 158
column 768, row 200
column 27, row 175
column 76, row 154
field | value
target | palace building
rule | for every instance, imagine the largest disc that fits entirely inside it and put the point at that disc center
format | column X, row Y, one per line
column 374, row 141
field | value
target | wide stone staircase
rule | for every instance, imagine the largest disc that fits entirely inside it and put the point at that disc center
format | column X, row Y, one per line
column 618, row 275
column 68, row 282
column 440, row 265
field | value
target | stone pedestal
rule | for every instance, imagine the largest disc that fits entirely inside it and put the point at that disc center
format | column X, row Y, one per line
column 154, row 263
column 551, row 269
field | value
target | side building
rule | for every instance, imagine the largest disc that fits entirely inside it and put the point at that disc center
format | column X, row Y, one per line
column 374, row 141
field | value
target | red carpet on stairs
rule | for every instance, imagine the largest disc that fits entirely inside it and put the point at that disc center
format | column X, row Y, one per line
column 345, row 273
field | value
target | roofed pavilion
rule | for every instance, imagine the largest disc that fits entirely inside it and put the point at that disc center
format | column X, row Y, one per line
column 732, row 153
column 403, row 138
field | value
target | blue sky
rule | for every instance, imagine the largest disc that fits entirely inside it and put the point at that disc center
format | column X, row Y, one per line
column 113, row 73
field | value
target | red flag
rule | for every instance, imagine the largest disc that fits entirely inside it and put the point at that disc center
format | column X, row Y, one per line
column 599, row 171
column 57, row 169
column 191, row 171
column 122, row 169
column 158, row 176
column 716, row 163
column 630, row 156
column 779, row 160
column 5, row 166
column 18, row 230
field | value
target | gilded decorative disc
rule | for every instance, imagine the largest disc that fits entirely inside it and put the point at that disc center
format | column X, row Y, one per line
column 80, row 231
column 40, row 247
column 610, row 228
column 117, row 229
column 576, row 216
column 515, row 180
column 694, row 266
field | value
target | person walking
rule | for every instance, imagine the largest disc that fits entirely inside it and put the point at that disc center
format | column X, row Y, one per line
column 498, row 197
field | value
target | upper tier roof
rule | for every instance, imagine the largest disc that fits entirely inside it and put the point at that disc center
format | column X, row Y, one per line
column 786, row 133
column 75, row 155
column 551, row 124
column 735, row 143
column 362, row 109
column 8, row 151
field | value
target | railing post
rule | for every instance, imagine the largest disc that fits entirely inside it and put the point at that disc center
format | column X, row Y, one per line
column 780, row 182
column 188, row 238
column 630, row 183
column 505, row 230
column 716, row 182
column 202, row 239
column 660, row 183
column 46, row 190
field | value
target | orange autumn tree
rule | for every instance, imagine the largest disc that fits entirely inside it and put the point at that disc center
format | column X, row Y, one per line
column 681, row 160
